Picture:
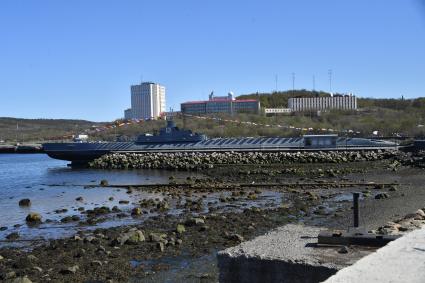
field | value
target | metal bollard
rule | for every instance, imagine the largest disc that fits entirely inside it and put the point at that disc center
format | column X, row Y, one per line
column 356, row 209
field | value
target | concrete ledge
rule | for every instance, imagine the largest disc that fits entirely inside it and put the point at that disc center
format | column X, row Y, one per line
column 402, row 260
column 287, row 254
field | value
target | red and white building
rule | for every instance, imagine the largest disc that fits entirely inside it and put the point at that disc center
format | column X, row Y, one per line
column 221, row 104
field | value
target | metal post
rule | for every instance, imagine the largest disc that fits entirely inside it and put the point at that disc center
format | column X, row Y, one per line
column 356, row 209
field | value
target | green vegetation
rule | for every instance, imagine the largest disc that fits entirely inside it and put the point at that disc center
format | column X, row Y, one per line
column 388, row 116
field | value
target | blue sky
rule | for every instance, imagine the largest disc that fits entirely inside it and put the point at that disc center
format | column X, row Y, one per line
column 77, row 59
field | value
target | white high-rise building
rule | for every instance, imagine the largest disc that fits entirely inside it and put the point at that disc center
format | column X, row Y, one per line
column 147, row 101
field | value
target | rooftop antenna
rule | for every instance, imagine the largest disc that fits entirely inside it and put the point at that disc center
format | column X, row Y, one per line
column 276, row 78
column 330, row 80
column 293, row 83
column 141, row 79
column 314, row 83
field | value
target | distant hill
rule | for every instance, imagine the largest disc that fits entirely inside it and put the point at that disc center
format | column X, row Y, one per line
column 387, row 116
column 33, row 130
column 280, row 99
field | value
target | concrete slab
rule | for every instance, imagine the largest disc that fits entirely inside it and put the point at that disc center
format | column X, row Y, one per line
column 287, row 254
column 402, row 260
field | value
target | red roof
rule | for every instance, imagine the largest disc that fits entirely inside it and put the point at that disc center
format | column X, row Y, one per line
column 220, row 100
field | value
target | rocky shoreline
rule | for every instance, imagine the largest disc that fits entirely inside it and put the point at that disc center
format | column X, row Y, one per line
column 201, row 160
column 197, row 216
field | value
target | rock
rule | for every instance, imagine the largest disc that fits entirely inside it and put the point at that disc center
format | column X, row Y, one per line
column 179, row 241
column 77, row 238
column 91, row 239
column 33, row 217
column 10, row 275
column 252, row 196
column 180, row 229
column 135, row 237
column 136, row 211
column 124, row 202
column 32, row 257
column 66, row 219
column 3, row 228
column 70, row 270
column 379, row 186
column 24, row 279
column 104, row 183
column 160, row 246
column 157, row 237
column 392, row 189
column 1, row 257
column 79, row 199
column 38, row 269
column 111, row 198
column 96, row 263
column 194, row 222
column 343, row 250
column 381, row 196
column 12, row 236
column 236, row 237
column 132, row 237
column 25, row 202
column 420, row 212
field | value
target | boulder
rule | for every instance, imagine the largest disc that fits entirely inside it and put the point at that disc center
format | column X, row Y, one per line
column 135, row 237
column 96, row 263
column 12, row 236
column 157, row 237
column 132, row 237
column 136, row 211
column 70, row 270
column 33, row 217
column 420, row 213
column 194, row 222
column 25, row 202
column 343, row 250
column 180, row 229
column 23, row 279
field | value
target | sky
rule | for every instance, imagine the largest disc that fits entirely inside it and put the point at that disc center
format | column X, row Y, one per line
column 77, row 59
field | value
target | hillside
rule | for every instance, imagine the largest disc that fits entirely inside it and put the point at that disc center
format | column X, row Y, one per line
column 280, row 99
column 388, row 116
column 33, row 130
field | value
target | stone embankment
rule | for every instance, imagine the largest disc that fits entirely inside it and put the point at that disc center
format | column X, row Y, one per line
column 202, row 160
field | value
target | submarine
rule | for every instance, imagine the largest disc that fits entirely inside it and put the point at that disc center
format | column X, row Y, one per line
column 173, row 139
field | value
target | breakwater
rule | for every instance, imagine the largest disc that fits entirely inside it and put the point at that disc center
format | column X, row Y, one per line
column 203, row 160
